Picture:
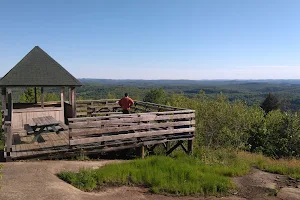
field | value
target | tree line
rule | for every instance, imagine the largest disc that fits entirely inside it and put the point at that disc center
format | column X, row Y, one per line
column 221, row 123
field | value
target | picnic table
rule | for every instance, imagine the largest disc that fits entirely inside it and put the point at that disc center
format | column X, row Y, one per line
column 43, row 124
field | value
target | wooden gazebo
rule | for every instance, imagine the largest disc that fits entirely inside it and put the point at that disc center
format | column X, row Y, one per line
column 96, row 127
column 37, row 69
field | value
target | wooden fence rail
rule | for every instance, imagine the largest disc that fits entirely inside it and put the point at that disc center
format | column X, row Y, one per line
column 135, row 129
column 92, row 108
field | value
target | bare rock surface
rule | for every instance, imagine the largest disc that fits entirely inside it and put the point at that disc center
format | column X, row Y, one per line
column 38, row 180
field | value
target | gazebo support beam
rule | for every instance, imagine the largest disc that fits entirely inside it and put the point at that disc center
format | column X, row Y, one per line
column 35, row 97
column 70, row 96
column 73, row 91
column 3, row 107
column 62, row 97
column 9, row 105
column 42, row 97
column 8, row 124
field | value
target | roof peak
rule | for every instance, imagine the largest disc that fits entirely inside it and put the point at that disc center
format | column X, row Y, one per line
column 37, row 68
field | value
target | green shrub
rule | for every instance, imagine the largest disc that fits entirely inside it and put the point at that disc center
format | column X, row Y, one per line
column 224, row 124
column 181, row 176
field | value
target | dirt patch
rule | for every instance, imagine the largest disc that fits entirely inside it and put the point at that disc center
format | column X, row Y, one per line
column 137, row 193
column 263, row 185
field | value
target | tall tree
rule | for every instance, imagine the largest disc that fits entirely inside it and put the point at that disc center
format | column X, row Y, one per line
column 27, row 96
column 158, row 96
column 111, row 95
column 270, row 103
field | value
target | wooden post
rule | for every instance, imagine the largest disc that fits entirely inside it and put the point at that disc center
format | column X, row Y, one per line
column 42, row 97
column 62, row 97
column 190, row 142
column 166, row 146
column 3, row 108
column 8, row 129
column 8, row 140
column 70, row 96
column 140, row 152
column 190, row 146
column 73, row 102
column 9, row 106
column 35, row 97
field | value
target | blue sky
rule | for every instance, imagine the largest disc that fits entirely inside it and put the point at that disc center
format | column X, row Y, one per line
column 157, row 39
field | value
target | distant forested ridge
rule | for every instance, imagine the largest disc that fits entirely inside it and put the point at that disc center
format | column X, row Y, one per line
column 250, row 91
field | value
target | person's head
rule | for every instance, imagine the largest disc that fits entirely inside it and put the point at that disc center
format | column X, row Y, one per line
column 126, row 94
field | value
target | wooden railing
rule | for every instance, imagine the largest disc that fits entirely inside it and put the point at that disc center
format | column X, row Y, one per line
column 148, row 124
column 93, row 108
column 139, row 129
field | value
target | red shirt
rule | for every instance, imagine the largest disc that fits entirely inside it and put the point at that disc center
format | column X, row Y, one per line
column 126, row 103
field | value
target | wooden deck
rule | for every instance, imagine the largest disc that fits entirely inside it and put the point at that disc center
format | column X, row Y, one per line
column 50, row 143
column 111, row 132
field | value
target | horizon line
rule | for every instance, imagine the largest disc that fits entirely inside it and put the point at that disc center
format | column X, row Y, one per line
column 188, row 79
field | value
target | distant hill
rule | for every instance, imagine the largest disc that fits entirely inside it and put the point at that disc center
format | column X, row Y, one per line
column 249, row 91
column 134, row 82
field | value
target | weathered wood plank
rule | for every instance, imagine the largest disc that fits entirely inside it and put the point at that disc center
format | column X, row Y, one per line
column 4, row 112
column 88, row 131
column 157, row 105
column 108, row 106
column 141, row 118
column 9, row 138
column 140, row 152
column 133, row 115
column 174, row 147
column 73, row 91
column 130, row 135
column 64, row 138
column 70, row 95
column 105, row 113
column 82, row 113
column 152, row 142
column 62, row 97
column 99, row 124
column 78, row 109
column 101, row 101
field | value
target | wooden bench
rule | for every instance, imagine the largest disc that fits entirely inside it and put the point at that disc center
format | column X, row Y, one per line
column 28, row 129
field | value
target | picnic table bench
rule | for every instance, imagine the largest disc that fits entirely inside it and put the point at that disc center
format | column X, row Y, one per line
column 42, row 124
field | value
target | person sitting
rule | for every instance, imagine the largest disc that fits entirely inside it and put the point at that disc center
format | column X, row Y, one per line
column 125, row 103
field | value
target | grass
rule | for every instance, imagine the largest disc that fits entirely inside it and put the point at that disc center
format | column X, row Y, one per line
column 289, row 167
column 206, row 172
column 182, row 175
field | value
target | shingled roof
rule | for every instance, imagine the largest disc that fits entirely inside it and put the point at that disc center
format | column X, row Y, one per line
column 37, row 68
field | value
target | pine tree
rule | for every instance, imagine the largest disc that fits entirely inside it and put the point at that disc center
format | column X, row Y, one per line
column 270, row 103
column 28, row 96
